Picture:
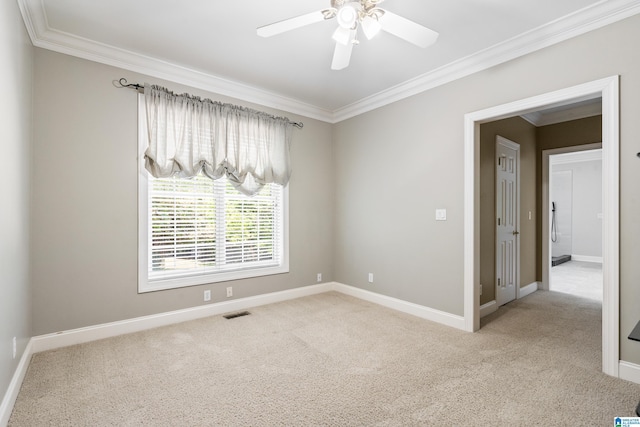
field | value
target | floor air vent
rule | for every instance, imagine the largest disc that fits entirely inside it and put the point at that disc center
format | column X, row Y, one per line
column 234, row 315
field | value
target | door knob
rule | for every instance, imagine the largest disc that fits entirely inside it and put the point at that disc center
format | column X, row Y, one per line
column 516, row 233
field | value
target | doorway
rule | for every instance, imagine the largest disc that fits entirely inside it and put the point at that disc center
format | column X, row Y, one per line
column 574, row 202
column 607, row 89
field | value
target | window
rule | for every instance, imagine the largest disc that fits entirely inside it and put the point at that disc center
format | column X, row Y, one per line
column 197, row 231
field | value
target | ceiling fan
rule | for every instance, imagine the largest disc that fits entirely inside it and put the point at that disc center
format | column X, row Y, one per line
column 350, row 15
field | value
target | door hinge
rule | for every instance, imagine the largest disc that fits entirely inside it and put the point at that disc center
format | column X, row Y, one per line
column 498, row 282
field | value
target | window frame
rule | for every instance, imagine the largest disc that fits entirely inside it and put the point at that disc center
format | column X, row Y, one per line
column 146, row 285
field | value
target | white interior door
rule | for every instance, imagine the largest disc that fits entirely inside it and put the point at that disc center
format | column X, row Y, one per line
column 507, row 224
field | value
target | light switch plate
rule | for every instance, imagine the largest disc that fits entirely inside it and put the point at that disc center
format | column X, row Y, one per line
column 441, row 214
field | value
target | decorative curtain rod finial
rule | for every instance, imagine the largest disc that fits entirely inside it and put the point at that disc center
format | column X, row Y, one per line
column 123, row 83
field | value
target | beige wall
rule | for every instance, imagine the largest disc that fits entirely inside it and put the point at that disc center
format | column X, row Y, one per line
column 84, row 215
column 16, row 65
column 397, row 164
column 517, row 130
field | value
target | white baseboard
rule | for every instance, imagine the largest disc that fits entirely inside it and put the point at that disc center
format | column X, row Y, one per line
column 403, row 306
column 491, row 306
column 112, row 329
column 529, row 289
column 6, row 407
column 629, row 371
column 488, row 308
column 107, row 330
column 586, row 258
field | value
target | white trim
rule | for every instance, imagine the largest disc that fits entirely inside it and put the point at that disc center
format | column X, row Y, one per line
column 488, row 308
column 471, row 215
column 108, row 330
column 403, row 306
column 528, row 290
column 598, row 15
column 629, row 371
column 586, row 258
column 592, row 17
column 6, row 407
column 47, row 38
column 611, row 226
column 608, row 89
column 492, row 306
column 576, row 112
column 576, row 157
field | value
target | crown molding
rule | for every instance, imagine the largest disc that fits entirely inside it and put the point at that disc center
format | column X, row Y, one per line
column 550, row 117
column 600, row 14
column 43, row 36
column 593, row 17
column 576, row 157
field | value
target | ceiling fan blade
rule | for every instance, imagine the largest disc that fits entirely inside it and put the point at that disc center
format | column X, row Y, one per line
column 407, row 30
column 342, row 53
column 292, row 23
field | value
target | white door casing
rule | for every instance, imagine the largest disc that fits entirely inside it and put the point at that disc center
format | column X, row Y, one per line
column 608, row 89
column 507, row 220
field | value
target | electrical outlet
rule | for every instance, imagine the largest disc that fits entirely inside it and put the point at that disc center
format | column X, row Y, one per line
column 207, row 295
column 481, row 289
column 319, row 277
column 15, row 347
column 229, row 292
column 370, row 277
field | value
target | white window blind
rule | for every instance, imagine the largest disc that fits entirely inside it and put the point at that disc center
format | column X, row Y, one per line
column 200, row 226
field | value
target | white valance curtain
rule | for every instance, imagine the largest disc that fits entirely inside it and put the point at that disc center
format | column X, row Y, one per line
column 188, row 134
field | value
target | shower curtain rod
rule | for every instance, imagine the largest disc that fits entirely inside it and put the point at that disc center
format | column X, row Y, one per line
column 140, row 88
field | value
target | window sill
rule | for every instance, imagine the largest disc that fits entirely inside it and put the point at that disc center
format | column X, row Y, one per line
column 145, row 285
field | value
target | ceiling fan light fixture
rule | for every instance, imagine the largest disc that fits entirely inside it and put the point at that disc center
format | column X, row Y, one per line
column 347, row 16
column 370, row 27
column 351, row 14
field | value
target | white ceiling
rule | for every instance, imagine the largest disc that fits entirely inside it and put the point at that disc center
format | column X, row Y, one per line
column 213, row 44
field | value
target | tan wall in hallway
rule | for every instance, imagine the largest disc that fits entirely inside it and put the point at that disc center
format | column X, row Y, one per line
column 567, row 134
column 522, row 132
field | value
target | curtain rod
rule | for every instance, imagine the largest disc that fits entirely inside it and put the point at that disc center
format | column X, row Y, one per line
column 140, row 88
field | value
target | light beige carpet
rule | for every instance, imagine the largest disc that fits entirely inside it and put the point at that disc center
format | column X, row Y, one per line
column 334, row 360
